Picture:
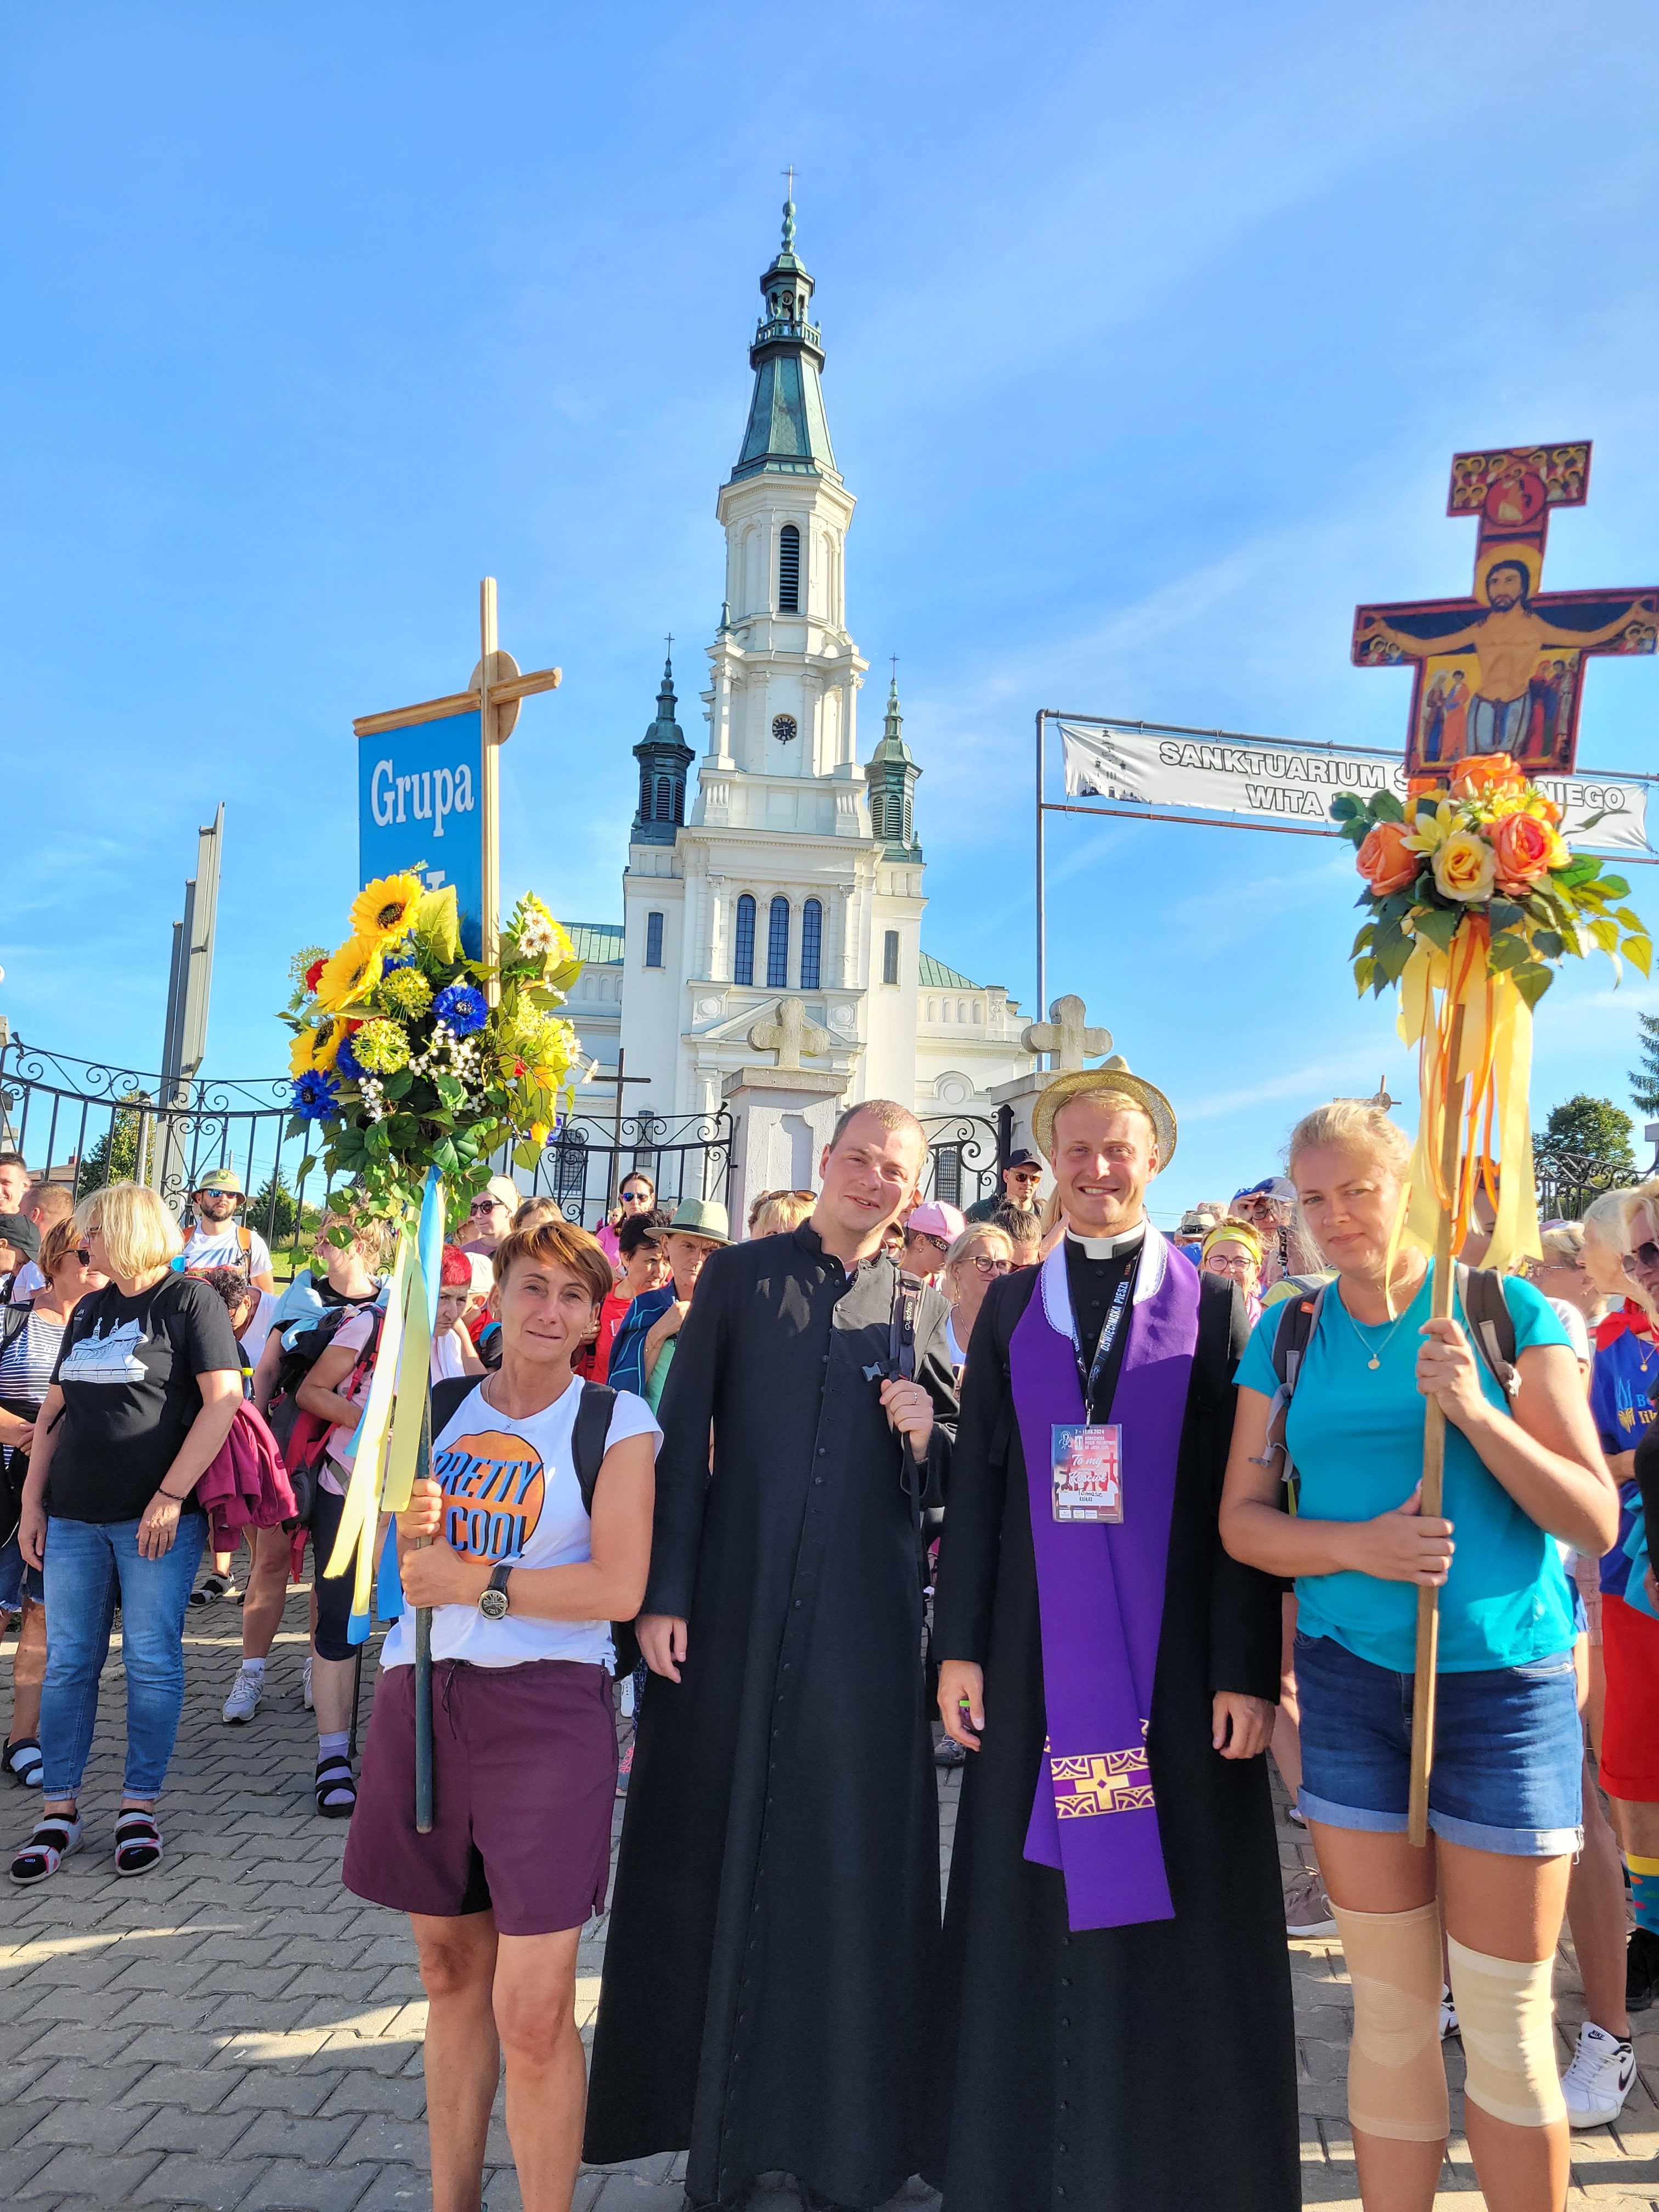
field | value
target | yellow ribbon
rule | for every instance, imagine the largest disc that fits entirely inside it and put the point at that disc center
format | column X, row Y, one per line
column 1490, row 1083
column 390, row 1429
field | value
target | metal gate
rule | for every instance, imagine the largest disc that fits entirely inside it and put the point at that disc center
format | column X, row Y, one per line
column 964, row 1158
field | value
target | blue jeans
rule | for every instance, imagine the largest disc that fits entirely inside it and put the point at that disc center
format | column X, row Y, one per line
column 87, row 1562
column 1508, row 1751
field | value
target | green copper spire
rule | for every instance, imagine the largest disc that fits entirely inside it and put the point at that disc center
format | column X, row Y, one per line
column 889, row 776
column 664, row 757
column 788, row 431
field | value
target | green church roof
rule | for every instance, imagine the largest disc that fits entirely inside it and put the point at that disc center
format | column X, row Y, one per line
column 599, row 943
column 788, row 432
column 933, row 976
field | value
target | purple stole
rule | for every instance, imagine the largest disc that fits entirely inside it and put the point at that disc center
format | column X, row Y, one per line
column 1100, row 1588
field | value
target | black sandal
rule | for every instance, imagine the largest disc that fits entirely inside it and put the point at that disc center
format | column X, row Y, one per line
column 335, row 1787
column 214, row 1587
column 53, row 1839
column 137, row 1842
column 23, row 1762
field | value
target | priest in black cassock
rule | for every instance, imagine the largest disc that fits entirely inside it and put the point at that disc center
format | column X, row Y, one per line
column 772, row 1964
column 1119, row 2035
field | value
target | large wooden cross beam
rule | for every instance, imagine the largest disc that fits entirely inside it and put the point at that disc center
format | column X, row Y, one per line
column 1502, row 672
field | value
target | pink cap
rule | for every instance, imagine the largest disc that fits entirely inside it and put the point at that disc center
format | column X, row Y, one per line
column 935, row 1218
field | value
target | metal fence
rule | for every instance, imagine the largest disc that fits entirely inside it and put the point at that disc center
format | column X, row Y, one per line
column 964, row 1156
column 686, row 1156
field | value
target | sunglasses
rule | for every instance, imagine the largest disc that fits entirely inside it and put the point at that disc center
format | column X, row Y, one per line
column 84, row 1256
column 926, row 1236
column 636, row 1198
column 1647, row 1254
column 486, row 1206
column 1025, row 1174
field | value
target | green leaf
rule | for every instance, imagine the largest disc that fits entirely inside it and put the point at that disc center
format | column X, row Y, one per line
column 1613, row 887
column 304, row 1169
column 526, row 1156
column 451, row 1090
column 1606, row 932
column 1437, row 925
column 1511, row 952
column 1362, row 939
column 444, row 1158
column 1503, row 914
column 1385, row 807
column 1639, row 951
column 1631, row 919
column 1583, row 868
column 1345, row 807
column 395, row 1086
column 1364, row 973
column 1550, row 942
column 1532, row 982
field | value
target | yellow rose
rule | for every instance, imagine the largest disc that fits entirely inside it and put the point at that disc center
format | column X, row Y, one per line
column 1464, row 867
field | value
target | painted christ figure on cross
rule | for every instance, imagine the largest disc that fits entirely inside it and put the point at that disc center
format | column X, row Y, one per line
column 1502, row 671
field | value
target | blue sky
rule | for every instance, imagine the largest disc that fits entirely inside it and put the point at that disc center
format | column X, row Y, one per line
column 1150, row 334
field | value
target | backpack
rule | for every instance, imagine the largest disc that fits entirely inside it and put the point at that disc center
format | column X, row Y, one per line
column 1481, row 1291
column 300, row 1435
column 587, row 1447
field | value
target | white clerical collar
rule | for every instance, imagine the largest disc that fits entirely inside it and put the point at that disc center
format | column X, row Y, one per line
column 1109, row 1247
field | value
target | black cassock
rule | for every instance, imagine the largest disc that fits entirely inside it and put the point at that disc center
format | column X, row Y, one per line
column 772, row 1963
column 1146, row 2068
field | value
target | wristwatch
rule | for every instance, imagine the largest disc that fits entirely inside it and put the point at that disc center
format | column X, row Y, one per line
column 492, row 1599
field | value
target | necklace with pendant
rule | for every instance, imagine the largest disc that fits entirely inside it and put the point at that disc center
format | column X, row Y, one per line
column 1358, row 1328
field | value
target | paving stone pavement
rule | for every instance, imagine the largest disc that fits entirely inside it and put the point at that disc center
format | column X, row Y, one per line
column 235, row 2031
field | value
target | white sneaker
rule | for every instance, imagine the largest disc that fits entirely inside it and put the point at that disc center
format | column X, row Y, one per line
column 309, row 1707
column 1599, row 2080
column 246, row 1692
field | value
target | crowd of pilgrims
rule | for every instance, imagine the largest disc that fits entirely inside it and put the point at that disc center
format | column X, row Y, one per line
column 761, row 1535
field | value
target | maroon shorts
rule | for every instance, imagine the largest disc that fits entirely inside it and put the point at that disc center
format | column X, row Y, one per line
column 1630, row 1728
column 524, row 1783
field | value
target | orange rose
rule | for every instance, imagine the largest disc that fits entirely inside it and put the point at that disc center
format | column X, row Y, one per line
column 1526, row 848
column 1383, row 859
column 1471, row 779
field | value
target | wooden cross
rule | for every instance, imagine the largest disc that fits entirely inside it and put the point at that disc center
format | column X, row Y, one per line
column 495, row 691
column 1065, row 1034
column 790, row 1034
column 1503, row 671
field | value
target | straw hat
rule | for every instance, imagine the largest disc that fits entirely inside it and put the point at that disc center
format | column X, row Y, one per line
column 1112, row 1075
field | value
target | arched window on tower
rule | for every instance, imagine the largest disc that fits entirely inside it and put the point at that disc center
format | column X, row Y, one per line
column 811, row 943
column 664, row 799
column 777, row 946
column 788, row 569
column 743, row 949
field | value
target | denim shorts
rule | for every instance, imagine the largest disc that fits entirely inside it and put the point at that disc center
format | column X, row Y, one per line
column 18, row 1582
column 1508, row 1753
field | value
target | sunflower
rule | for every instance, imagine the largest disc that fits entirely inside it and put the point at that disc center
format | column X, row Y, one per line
column 382, row 910
column 349, row 975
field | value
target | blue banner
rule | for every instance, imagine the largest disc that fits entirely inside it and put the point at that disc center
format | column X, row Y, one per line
column 420, row 801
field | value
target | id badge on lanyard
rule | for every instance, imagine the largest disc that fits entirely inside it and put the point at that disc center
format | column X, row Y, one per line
column 1087, row 1468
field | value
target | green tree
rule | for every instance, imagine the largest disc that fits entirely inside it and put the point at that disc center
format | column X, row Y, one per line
column 1645, row 1080
column 114, row 1158
column 1595, row 1130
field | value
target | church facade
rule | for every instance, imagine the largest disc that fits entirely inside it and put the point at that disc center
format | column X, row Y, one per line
column 792, row 868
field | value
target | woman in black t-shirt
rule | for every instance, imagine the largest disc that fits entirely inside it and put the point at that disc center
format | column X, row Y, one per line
column 147, row 1385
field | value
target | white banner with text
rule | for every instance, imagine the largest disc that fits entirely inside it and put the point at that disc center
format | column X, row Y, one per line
column 1264, row 781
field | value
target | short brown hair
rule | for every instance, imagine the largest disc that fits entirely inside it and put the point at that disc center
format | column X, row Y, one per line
column 55, row 1200
column 534, row 1210
column 555, row 1244
column 887, row 1111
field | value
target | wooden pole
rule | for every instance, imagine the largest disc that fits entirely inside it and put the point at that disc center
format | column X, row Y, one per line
column 1434, row 1452
column 424, row 1659
column 488, row 639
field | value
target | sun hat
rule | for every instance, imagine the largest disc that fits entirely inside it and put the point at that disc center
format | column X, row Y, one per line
column 697, row 1217
column 936, row 1218
column 221, row 1179
column 1111, row 1075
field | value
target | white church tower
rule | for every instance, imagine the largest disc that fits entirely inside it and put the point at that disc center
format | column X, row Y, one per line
column 792, row 869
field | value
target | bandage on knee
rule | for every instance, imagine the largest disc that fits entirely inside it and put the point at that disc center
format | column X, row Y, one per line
column 1396, row 2077
column 1504, row 2013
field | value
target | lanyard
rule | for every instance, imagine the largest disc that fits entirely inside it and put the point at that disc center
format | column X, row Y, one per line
column 1109, row 1329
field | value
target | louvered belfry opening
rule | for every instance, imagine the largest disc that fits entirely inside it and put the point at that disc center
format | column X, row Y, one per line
column 789, row 570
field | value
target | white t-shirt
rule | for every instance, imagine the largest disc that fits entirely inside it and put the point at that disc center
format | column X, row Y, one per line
column 224, row 1249
column 511, row 1493
column 446, row 1361
column 1575, row 1326
column 25, row 1283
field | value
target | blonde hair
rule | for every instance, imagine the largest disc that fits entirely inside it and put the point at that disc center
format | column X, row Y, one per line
column 1355, row 1126
column 779, row 1211
column 1564, row 1241
column 369, row 1233
column 1607, row 1225
column 140, row 1236
column 976, row 1234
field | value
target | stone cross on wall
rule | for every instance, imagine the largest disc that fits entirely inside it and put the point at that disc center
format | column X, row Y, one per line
column 790, row 1034
column 1065, row 1034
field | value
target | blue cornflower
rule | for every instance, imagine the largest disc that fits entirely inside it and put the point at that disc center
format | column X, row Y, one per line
column 315, row 1097
column 347, row 1063
column 461, row 1007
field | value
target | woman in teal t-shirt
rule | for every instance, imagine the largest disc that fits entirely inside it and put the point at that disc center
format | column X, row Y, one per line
column 1505, row 1805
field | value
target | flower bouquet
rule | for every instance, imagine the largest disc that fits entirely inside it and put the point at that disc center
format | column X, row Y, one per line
column 407, row 1057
